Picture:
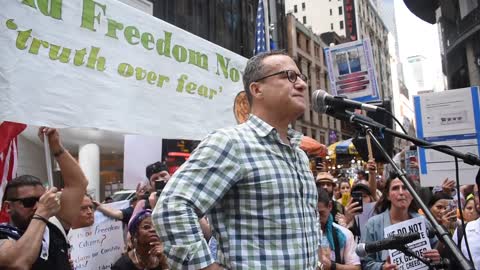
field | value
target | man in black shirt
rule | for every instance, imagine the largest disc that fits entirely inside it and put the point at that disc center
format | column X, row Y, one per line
column 30, row 240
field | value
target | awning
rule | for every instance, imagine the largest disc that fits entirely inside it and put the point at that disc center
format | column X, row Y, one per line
column 345, row 147
column 312, row 147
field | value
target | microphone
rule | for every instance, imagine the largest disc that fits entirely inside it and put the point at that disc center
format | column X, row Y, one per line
column 393, row 242
column 322, row 99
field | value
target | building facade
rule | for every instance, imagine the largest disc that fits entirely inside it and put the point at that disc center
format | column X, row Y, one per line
column 230, row 24
column 321, row 15
column 459, row 28
column 354, row 20
column 306, row 48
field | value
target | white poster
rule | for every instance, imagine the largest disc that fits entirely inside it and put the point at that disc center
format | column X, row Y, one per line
column 413, row 225
column 351, row 70
column 139, row 152
column 102, row 64
column 448, row 118
column 100, row 245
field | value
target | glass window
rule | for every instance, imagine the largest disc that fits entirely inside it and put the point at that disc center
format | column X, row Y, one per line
column 331, row 26
column 303, row 6
column 340, row 11
column 295, row 10
column 304, row 19
column 331, row 13
column 341, row 24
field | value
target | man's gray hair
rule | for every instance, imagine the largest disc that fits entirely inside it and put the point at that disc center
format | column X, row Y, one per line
column 254, row 70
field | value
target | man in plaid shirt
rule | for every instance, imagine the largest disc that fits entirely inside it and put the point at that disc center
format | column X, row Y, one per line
column 252, row 180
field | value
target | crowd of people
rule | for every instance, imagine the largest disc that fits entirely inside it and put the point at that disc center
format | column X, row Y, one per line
column 245, row 199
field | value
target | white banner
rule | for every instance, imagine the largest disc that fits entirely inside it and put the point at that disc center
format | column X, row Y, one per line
column 100, row 245
column 102, row 64
column 413, row 225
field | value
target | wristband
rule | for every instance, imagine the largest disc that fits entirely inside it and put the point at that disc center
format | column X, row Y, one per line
column 333, row 265
column 36, row 216
column 59, row 152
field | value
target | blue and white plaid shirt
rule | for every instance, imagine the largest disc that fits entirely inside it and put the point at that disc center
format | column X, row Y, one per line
column 260, row 197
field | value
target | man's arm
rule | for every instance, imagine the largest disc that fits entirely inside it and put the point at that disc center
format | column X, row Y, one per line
column 21, row 254
column 108, row 211
column 73, row 177
column 201, row 182
column 372, row 178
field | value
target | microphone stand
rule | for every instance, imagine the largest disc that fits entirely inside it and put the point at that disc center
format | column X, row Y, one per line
column 366, row 125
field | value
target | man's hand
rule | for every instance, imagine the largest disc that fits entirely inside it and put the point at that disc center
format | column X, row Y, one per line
column 326, row 261
column 140, row 191
column 388, row 265
column 341, row 220
column 448, row 186
column 351, row 210
column 371, row 166
column 449, row 218
column 432, row 255
column 53, row 138
column 49, row 204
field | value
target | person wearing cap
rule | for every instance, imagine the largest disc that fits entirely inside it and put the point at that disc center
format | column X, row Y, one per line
column 157, row 171
column 147, row 250
column 325, row 181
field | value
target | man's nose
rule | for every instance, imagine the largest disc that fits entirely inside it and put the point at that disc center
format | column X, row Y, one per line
column 300, row 84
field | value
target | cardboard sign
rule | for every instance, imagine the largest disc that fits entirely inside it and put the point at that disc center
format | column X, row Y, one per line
column 100, row 245
column 403, row 261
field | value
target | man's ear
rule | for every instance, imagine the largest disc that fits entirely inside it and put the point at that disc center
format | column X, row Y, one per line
column 6, row 205
column 256, row 90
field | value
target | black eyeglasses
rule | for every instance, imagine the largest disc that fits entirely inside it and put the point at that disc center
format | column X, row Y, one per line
column 27, row 202
column 291, row 76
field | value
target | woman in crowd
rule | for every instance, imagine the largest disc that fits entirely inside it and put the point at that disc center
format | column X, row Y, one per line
column 394, row 206
column 469, row 211
column 439, row 206
column 344, row 186
column 147, row 250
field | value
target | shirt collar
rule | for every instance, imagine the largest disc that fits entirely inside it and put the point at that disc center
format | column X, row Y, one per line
column 263, row 129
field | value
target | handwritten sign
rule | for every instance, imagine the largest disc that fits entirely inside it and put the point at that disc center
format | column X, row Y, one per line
column 403, row 261
column 100, row 245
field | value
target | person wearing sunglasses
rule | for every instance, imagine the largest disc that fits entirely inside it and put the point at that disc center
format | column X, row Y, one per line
column 253, row 181
column 34, row 239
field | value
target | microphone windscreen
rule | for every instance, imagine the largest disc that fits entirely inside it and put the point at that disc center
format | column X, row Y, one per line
column 318, row 101
column 360, row 250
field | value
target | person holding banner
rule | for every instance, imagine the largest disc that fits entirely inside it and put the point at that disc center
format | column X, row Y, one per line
column 31, row 240
column 253, row 180
column 395, row 206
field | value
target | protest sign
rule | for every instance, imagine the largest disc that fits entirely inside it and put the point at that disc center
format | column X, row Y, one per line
column 403, row 261
column 102, row 64
column 100, row 245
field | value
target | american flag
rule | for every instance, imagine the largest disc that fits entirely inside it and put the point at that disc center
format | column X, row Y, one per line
column 260, row 35
column 8, row 156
